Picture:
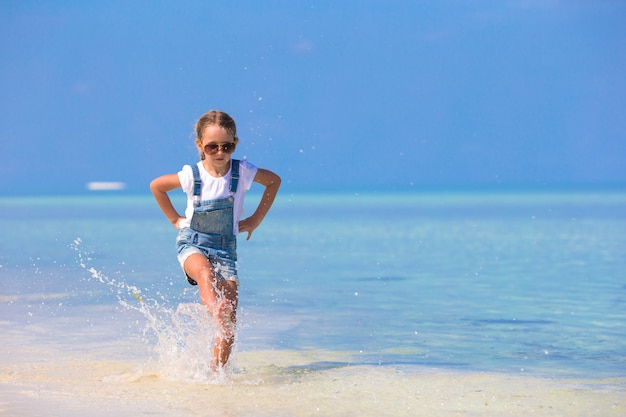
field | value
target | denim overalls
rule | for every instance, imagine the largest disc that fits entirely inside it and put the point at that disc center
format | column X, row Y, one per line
column 211, row 229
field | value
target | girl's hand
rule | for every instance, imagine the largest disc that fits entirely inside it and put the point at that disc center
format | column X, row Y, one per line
column 249, row 225
column 271, row 182
column 177, row 222
column 160, row 187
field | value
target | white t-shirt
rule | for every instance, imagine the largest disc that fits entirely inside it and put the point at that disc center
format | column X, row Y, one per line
column 214, row 188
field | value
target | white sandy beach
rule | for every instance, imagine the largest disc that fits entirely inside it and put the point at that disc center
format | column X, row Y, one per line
column 289, row 383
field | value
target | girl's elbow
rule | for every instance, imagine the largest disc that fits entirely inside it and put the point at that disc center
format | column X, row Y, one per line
column 274, row 183
column 156, row 186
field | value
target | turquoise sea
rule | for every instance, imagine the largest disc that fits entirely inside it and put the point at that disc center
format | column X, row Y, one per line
column 431, row 303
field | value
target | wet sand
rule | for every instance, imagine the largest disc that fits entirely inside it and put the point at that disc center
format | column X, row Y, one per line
column 289, row 383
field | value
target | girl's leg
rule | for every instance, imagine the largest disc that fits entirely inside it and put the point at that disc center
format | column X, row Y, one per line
column 224, row 342
column 199, row 268
column 221, row 298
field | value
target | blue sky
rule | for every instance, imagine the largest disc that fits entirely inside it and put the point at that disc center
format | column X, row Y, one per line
column 396, row 95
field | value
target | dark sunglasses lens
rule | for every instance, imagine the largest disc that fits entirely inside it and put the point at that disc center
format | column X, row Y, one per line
column 212, row 148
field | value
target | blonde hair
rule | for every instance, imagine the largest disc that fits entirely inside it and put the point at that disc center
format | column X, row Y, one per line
column 219, row 118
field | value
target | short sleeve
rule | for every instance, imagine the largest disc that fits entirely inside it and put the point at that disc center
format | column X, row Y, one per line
column 248, row 172
column 185, row 176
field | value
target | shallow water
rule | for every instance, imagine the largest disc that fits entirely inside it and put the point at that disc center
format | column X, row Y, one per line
column 452, row 304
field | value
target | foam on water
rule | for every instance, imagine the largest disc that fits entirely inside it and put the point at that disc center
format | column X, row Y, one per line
column 180, row 336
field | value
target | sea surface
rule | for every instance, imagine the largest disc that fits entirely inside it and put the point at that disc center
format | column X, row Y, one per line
column 368, row 304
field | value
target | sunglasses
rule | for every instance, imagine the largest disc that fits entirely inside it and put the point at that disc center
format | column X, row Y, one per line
column 211, row 148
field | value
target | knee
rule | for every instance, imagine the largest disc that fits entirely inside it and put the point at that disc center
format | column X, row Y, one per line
column 199, row 268
column 204, row 275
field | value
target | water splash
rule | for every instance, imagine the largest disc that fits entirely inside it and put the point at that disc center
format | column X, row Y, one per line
column 180, row 336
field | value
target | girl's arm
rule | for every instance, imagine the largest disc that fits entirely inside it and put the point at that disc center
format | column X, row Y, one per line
column 159, row 187
column 271, row 182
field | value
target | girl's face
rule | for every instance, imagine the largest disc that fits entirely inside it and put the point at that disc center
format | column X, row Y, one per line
column 217, row 145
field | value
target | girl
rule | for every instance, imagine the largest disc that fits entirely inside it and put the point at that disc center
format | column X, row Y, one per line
column 206, row 241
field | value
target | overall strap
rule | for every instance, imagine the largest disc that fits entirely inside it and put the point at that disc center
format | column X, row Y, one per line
column 197, row 183
column 234, row 175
